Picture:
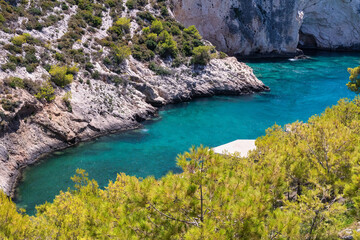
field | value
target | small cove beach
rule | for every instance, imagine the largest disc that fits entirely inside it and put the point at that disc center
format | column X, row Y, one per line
column 299, row 89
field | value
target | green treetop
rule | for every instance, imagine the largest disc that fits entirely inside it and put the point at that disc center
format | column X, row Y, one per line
column 354, row 84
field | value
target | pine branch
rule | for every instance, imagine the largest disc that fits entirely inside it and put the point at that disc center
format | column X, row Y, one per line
column 172, row 218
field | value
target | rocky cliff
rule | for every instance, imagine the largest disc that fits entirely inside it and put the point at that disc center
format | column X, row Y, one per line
column 331, row 25
column 274, row 27
column 39, row 114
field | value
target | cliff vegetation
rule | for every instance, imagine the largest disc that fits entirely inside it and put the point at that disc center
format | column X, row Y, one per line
column 101, row 32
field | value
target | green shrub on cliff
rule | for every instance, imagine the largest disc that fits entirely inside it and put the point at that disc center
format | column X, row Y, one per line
column 46, row 91
column 131, row 4
column 73, row 70
column 202, row 55
column 167, row 45
column 300, row 183
column 121, row 26
column 156, row 27
column 121, row 53
column 62, row 75
column 90, row 19
column 9, row 65
column 2, row 19
column 157, row 37
column 19, row 40
column 151, row 44
column 13, row 48
column 142, row 53
column 146, row 15
column 222, row 55
column 15, row 82
column 169, row 38
column 192, row 31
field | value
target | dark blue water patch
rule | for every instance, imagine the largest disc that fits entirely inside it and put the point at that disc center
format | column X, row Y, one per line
column 299, row 89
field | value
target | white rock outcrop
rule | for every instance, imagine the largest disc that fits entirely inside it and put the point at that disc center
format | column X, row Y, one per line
column 257, row 27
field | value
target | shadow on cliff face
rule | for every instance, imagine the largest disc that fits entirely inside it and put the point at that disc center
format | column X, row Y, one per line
column 13, row 2
column 12, row 123
column 307, row 41
column 309, row 44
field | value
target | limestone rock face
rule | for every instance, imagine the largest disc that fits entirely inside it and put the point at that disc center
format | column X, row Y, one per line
column 244, row 27
column 331, row 24
column 257, row 27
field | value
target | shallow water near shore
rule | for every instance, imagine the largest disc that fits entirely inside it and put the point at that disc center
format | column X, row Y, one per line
column 299, row 89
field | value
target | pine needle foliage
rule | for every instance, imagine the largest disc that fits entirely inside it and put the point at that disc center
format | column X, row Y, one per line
column 354, row 83
column 300, row 183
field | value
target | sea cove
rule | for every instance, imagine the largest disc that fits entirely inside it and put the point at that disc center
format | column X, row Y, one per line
column 299, row 89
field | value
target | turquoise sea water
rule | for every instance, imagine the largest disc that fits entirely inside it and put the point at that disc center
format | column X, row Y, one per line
column 299, row 89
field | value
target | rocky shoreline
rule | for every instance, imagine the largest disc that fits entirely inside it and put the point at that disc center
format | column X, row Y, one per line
column 100, row 108
column 14, row 181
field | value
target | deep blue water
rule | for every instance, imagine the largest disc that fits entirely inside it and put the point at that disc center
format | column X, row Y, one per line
column 299, row 89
